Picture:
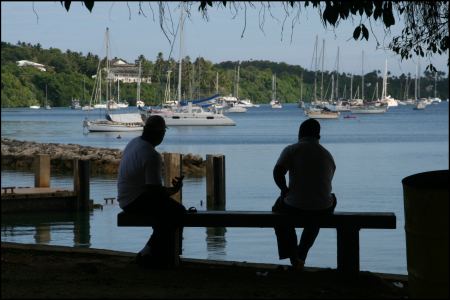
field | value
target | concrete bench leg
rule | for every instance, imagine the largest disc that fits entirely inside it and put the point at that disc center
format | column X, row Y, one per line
column 348, row 249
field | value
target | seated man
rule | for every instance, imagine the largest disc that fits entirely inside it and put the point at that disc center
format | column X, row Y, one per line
column 141, row 191
column 311, row 168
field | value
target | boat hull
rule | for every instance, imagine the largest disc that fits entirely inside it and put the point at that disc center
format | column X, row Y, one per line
column 322, row 114
column 102, row 126
column 170, row 121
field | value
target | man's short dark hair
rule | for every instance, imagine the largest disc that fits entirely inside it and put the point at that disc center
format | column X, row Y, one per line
column 154, row 124
column 309, row 128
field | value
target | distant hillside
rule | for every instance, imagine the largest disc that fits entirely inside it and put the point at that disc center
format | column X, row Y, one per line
column 69, row 75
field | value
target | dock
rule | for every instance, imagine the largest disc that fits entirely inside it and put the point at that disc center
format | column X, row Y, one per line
column 42, row 197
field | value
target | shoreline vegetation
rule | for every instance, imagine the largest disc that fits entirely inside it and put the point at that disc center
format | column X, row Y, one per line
column 68, row 74
column 44, row 271
column 19, row 155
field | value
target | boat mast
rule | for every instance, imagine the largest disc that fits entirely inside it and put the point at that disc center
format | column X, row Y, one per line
column 384, row 92
column 362, row 77
column 337, row 75
column 415, row 83
column 237, row 81
column 321, row 83
column 418, row 82
column 181, row 56
column 108, row 82
column 273, row 86
column 315, row 69
column 435, row 79
column 351, row 88
column 332, row 88
column 167, row 91
column 217, row 82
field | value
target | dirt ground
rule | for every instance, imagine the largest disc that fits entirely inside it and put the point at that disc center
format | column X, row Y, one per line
column 37, row 271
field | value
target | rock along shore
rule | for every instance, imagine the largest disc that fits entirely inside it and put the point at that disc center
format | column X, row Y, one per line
column 19, row 155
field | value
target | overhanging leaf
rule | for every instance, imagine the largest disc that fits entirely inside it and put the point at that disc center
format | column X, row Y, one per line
column 357, row 32
column 365, row 32
column 89, row 5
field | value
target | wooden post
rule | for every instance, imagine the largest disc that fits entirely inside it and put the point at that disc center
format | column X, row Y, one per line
column 172, row 169
column 81, row 229
column 42, row 170
column 215, row 182
column 81, row 185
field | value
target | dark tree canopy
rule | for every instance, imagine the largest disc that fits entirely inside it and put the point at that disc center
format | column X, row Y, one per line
column 425, row 30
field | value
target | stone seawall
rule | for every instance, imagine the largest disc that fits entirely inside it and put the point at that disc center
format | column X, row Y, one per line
column 19, row 155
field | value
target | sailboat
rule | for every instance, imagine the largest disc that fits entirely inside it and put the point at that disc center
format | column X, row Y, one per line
column 385, row 98
column 111, row 122
column 233, row 106
column 190, row 114
column 419, row 104
column 275, row 103
column 319, row 109
column 364, row 107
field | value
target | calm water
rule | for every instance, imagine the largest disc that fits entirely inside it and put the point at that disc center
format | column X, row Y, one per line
column 373, row 153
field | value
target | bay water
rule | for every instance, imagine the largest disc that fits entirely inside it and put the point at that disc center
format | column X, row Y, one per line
column 373, row 153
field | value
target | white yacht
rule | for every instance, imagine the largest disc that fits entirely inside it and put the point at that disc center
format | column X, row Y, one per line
column 115, row 123
column 140, row 103
column 246, row 103
column 235, row 108
column 275, row 103
column 191, row 115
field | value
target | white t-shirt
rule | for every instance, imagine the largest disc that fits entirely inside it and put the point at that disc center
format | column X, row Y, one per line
column 311, row 169
column 141, row 164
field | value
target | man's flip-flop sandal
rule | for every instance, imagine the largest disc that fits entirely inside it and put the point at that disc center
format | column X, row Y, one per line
column 192, row 209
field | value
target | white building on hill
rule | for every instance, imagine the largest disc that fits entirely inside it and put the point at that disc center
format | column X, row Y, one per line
column 27, row 63
column 125, row 72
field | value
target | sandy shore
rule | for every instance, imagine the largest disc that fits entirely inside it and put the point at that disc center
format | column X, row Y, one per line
column 38, row 271
column 20, row 154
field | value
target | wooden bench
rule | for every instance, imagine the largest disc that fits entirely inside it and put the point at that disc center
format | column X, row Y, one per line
column 347, row 225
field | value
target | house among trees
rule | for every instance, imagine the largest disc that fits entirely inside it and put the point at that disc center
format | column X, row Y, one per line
column 26, row 63
column 125, row 72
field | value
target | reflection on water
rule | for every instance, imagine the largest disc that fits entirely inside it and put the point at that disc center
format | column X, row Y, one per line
column 216, row 242
column 46, row 223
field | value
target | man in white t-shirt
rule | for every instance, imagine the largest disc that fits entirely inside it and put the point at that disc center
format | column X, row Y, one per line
column 311, row 169
column 140, row 190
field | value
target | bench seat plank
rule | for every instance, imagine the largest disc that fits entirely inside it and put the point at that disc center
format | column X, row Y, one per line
column 379, row 220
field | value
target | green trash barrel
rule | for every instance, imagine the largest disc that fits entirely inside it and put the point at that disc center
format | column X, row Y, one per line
column 426, row 225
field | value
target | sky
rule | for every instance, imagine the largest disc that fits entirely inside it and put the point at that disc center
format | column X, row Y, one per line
column 225, row 36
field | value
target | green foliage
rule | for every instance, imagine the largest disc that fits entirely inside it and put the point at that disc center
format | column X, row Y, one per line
column 69, row 75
